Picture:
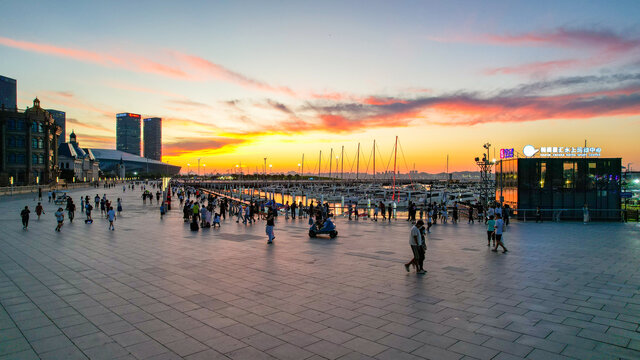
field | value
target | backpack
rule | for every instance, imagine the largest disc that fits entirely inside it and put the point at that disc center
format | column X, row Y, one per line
column 194, row 226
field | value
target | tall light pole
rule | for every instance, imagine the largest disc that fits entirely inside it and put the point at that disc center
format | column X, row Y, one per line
column 198, row 166
column 302, row 164
column 188, row 165
column 298, row 169
column 270, row 168
column 265, row 167
column 204, row 172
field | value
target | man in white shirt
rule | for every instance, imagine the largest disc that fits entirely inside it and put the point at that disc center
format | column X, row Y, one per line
column 499, row 227
column 417, row 240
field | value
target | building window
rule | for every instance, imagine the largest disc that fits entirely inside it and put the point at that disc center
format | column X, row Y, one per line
column 543, row 174
column 34, row 127
column 34, row 159
column 11, row 158
column 20, row 125
column 568, row 174
column 40, row 143
column 19, row 141
column 34, row 143
column 11, row 141
column 11, row 124
column 20, row 158
column 40, row 159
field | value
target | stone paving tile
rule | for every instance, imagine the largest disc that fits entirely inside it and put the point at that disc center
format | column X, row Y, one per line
column 436, row 353
column 287, row 351
column 88, row 292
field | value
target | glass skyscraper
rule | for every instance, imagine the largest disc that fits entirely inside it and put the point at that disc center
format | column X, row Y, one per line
column 128, row 133
column 8, row 93
column 60, row 118
column 153, row 138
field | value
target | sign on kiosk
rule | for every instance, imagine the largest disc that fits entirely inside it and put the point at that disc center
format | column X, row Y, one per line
column 562, row 151
column 506, row 153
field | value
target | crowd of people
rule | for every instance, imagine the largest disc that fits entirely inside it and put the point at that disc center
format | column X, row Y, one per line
column 205, row 209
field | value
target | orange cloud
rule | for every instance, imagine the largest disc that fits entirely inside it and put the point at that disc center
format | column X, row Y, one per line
column 202, row 146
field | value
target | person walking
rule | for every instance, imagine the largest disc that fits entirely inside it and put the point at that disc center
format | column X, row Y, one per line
column 24, row 214
column 88, row 208
column 119, row 206
column 270, row 225
column 417, row 243
column 499, row 227
column 471, row 218
column 383, row 211
column 39, row 210
column 195, row 211
column 60, row 218
column 71, row 209
column 538, row 214
column 491, row 227
column 585, row 214
column 111, row 215
column 39, row 193
column 455, row 213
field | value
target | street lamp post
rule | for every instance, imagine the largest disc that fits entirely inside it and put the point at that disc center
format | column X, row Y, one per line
column 188, row 165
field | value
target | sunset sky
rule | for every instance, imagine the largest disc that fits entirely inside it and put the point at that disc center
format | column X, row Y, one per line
column 238, row 81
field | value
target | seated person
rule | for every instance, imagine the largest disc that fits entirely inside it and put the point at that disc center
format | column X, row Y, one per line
column 216, row 220
column 328, row 224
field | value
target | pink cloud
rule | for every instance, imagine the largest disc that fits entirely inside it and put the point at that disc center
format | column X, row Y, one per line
column 541, row 67
column 604, row 47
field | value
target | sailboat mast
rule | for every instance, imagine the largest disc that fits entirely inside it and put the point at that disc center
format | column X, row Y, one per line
column 374, row 160
column 330, row 161
column 395, row 157
column 342, row 163
column 319, row 163
column 358, row 162
column 302, row 164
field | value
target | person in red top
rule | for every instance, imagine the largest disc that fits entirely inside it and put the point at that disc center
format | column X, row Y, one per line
column 39, row 210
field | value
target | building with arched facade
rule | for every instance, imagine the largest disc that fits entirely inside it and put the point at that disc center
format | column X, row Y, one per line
column 28, row 146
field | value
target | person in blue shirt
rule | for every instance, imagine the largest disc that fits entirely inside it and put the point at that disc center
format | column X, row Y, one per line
column 491, row 228
column 60, row 218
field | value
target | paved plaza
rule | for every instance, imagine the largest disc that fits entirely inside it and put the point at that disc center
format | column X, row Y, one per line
column 152, row 289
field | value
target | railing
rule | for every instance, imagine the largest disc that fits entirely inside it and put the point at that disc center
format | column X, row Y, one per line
column 33, row 189
column 525, row 215
column 558, row 215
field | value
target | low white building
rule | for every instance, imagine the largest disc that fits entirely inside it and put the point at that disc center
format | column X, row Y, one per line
column 78, row 161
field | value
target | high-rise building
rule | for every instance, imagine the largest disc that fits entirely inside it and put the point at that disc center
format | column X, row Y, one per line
column 153, row 138
column 128, row 133
column 8, row 93
column 60, row 118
